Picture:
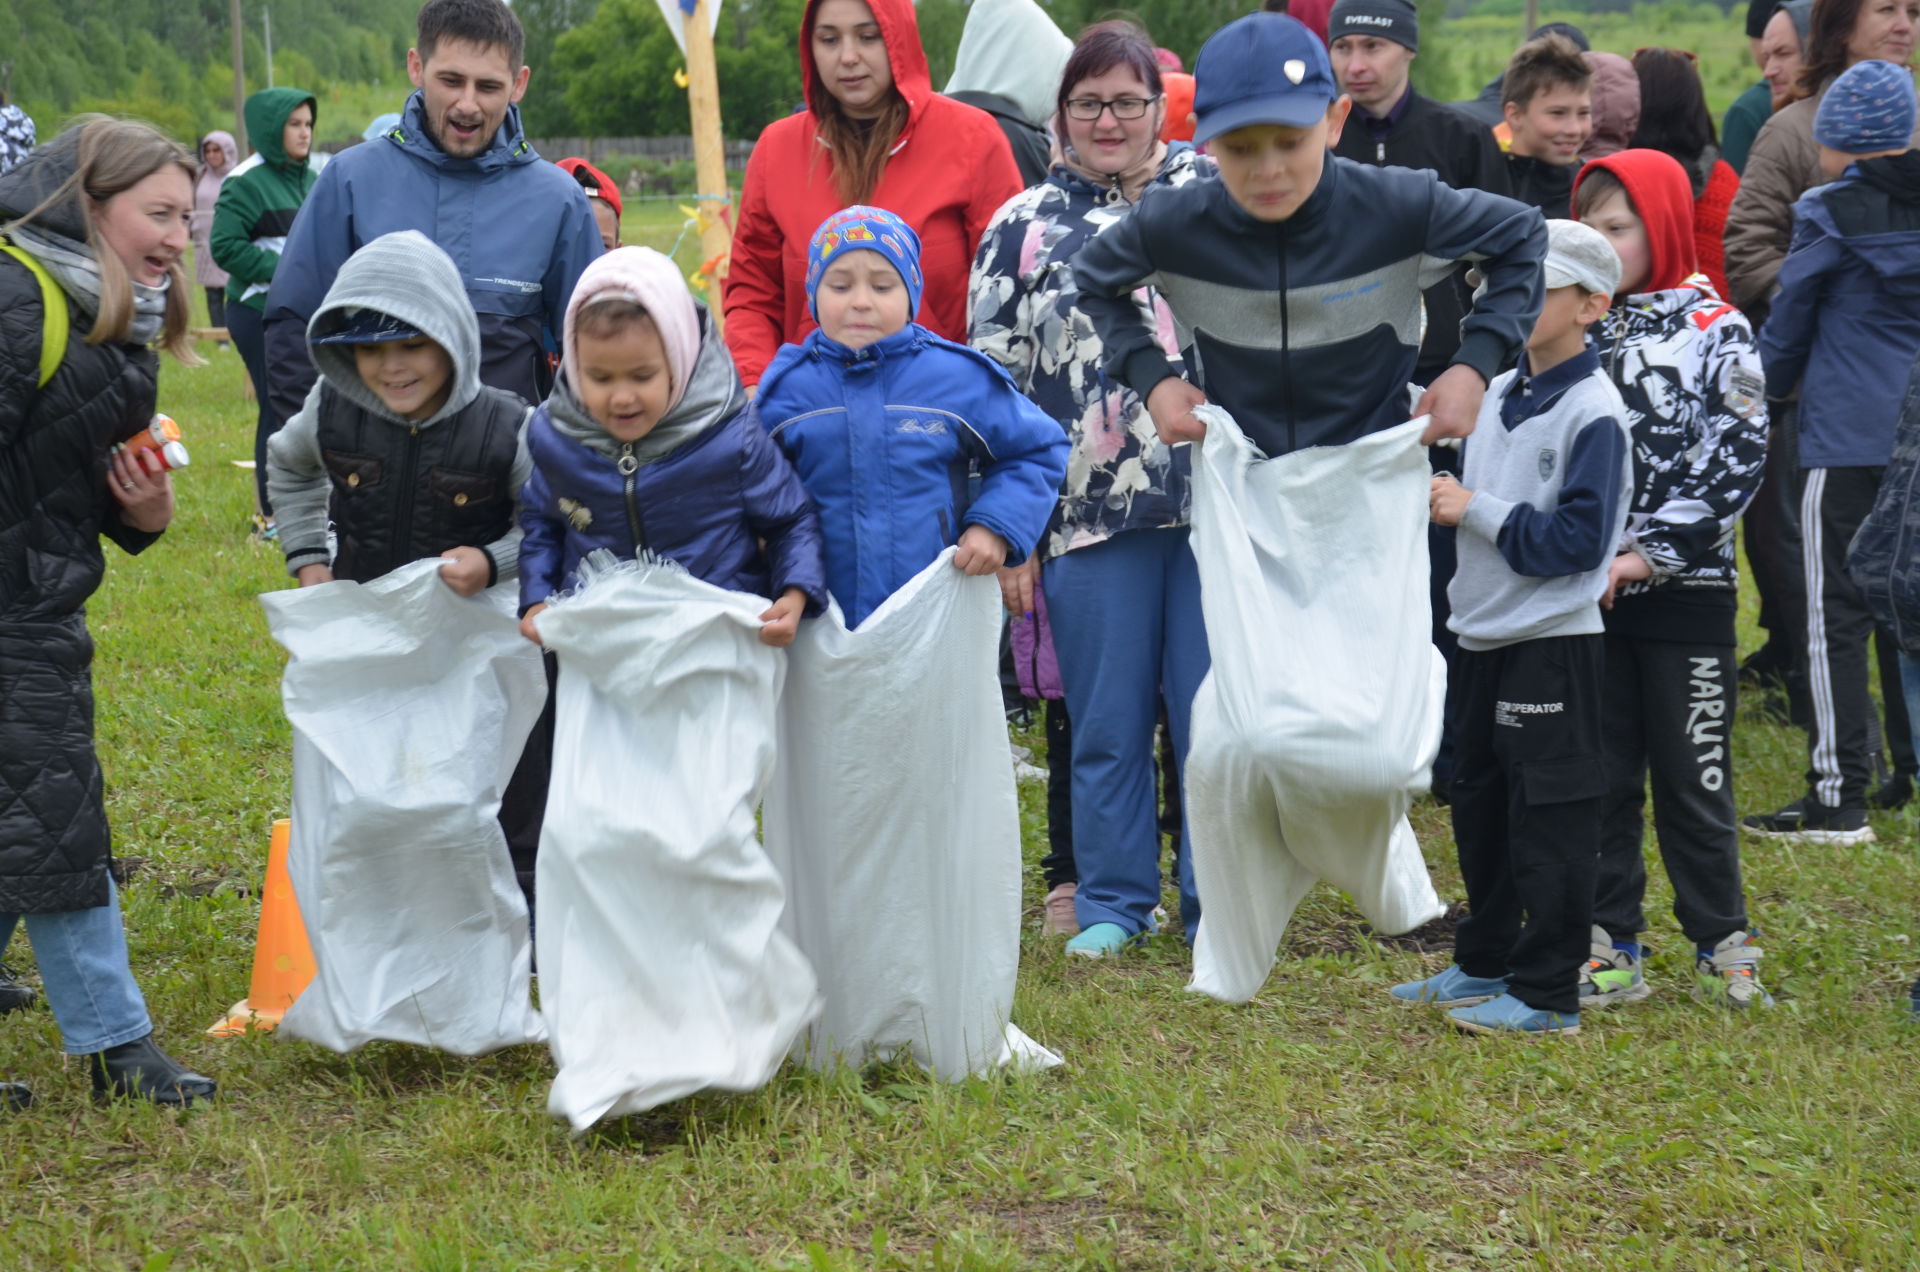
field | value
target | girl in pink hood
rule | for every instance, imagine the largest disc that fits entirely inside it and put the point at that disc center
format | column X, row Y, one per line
column 218, row 155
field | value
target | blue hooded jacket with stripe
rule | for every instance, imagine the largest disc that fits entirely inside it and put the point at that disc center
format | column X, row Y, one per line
column 1307, row 330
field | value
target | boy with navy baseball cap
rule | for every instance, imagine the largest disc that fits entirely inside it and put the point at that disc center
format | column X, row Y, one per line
column 1307, row 335
column 1295, row 278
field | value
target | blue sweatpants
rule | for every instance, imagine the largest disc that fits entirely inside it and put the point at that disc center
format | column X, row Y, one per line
column 1127, row 628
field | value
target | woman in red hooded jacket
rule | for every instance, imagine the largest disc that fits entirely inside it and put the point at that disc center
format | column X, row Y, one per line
column 874, row 132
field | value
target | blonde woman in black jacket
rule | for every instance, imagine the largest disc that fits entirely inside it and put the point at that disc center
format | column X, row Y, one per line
column 101, row 212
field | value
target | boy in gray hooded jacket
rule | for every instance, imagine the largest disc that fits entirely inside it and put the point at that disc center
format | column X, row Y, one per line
column 398, row 441
column 409, row 455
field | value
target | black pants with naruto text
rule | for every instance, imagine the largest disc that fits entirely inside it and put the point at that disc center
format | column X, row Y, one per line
column 1669, row 719
column 1527, row 792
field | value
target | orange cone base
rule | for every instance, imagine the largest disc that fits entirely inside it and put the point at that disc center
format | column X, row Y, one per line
column 282, row 958
column 242, row 1018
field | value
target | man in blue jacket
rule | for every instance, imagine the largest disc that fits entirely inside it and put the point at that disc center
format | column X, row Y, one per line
column 458, row 169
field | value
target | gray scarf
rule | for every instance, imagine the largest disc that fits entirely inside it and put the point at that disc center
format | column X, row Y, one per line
column 73, row 265
column 714, row 395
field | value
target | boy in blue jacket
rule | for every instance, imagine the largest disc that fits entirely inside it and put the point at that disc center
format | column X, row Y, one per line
column 650, row 444
column 882, row 420
column 1295, row 279
column 1843, row 327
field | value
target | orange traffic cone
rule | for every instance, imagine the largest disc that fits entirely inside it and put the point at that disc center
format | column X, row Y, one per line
column 282, row 959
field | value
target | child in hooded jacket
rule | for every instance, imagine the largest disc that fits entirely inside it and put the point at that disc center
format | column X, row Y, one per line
column 409, row 456
column 882, row 420
column 1687, row 367
column 398, row 444
column 649, row 444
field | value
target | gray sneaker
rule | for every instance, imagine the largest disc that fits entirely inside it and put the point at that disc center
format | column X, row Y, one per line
column 1730, row 975
column 1610, row 976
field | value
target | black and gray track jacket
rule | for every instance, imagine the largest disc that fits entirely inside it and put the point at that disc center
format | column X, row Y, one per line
column 1307, row 330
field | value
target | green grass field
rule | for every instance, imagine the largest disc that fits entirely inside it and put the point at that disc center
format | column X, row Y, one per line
column 1319, row 1127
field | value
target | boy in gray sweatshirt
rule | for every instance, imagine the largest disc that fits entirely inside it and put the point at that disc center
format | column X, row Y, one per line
column 1540, row 507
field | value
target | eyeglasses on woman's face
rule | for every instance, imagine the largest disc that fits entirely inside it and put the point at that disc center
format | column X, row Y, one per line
column 1090, row 108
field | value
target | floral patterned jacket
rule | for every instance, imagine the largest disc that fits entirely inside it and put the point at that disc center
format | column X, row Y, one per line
column 1024, row 313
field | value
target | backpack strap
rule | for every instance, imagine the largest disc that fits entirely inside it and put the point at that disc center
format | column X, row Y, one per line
column 53, row 303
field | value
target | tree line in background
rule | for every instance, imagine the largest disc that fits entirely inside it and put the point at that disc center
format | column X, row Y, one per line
column 606, row 67
column 170, row 61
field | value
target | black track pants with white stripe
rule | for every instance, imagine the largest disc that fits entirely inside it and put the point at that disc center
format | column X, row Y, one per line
column 1840, row 629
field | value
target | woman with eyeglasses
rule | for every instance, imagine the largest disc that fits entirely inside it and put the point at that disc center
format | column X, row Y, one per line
column 1122, row 592
column 873, row 132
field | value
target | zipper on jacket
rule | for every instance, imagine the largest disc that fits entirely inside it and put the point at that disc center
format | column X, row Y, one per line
column 403, row 530
column 628, row 466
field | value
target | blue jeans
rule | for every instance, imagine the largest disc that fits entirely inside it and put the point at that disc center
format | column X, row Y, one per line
column 83, row 965
column 1127, row 630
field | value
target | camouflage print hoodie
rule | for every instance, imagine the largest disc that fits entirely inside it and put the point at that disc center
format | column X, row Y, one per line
column 1688, row 368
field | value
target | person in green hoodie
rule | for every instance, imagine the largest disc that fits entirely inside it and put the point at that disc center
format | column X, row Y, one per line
column 250, row 223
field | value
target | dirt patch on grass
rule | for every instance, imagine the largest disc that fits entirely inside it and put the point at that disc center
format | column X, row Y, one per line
column 1350, row 935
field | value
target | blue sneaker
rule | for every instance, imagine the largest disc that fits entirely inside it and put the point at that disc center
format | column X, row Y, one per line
column 1508, row 1015
column 1102, row 940
column 1451, row 988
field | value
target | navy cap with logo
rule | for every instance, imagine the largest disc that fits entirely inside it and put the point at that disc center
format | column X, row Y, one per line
column 367, row 326
column 1265, row 68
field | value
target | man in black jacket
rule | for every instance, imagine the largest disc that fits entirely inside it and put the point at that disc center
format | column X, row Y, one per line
column 1372, row 44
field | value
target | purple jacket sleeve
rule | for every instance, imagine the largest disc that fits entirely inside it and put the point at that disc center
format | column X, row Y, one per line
column 543, row 547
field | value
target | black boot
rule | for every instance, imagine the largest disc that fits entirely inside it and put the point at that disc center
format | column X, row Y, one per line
column 13, row 995
column 14, row 1097
column 1892, row 793
column 140, row 1070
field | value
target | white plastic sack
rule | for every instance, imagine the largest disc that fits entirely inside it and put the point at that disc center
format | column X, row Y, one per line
column 410, row 706
column 894, row 819
column 1320, row 719
column 663, row 969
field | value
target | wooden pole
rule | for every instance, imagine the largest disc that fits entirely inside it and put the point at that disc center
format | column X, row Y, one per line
column 239, row 75
column 1533, row 18
column 709, row 146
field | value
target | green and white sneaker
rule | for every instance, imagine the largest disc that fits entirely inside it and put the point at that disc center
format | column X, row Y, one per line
column 1611, row 976
column 1729, row 974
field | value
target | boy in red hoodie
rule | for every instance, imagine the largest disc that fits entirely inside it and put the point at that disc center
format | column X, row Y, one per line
column 1688, row 369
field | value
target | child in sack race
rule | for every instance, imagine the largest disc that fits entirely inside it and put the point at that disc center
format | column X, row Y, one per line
column 1348, row 247
column 905, row 896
